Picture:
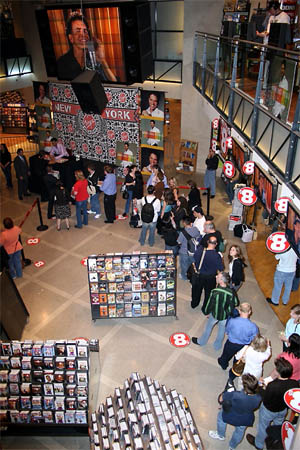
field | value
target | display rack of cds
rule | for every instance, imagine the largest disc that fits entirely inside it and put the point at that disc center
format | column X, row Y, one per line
column 144, row 415
column 44, row 383
column 132, row 285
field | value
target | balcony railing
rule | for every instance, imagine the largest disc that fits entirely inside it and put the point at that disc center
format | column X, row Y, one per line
column 256, row 89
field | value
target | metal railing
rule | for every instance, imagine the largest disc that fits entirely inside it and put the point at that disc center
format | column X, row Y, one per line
column 15, row 142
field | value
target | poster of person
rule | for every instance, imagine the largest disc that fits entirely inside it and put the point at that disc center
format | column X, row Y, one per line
column 152, row 104
column 126, row 154
column 41, row 93
column 45, row 137
column 150, row 158
column 43, row 115
column 152, row 132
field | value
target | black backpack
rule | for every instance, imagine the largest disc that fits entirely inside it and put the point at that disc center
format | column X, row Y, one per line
column 147, row 212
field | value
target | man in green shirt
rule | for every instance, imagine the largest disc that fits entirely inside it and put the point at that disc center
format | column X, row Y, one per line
column 219, row 307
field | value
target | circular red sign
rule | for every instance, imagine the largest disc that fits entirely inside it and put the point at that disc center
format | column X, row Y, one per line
column 215, row 124
column 122, row 97
column 292, row 399
column 70, row 128
column 83, row 262
column 247, row 196
column 89, row 122
column 109, row 96
column 59, row 126
column 110, row 134
column 39, row 264
column 287, row 434
column 228, row 169
column 99, row 150
column 179, row 339
column 281, row 204
column 124, row 136
column 33, row 241
column 214, row 144
column 72, row 145
column 67, row 92
column 112, row 152
column 277, row 243
column 85, row 147
column 248, row 167
column 55, row 92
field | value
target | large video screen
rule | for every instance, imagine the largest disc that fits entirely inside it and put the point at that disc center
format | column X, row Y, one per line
column 264, row 188
column 87, row 39
column 293, row 228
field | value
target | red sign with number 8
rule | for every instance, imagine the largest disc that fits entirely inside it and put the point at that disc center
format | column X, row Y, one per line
column 248, row 167
column 247, row 196
column 179, row 339
column 277, row 243
column 228, row 169
column 281, row 204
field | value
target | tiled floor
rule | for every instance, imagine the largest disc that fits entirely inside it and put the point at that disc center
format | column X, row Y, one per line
column 58, row 301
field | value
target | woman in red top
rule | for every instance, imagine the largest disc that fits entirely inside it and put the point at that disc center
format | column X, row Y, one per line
column 9, row 238
column 79, row 191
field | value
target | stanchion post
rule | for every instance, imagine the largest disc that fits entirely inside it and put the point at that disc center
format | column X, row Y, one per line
column 208, row 201
column 41, row 227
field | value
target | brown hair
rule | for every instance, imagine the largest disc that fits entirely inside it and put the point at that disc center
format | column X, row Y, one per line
column 259, row 343
column 239, row 253
column 296, row 310
column 108, row 169
column 8, row 223
column 250, row 383
column 192, row 184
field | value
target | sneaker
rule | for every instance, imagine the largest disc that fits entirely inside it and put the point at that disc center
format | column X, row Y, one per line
column 97, row 216
column 89, row 211
column 228, row 203
column 214, row 435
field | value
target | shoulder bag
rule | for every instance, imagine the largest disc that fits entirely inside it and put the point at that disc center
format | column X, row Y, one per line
column 192, row 272
column 239, row 366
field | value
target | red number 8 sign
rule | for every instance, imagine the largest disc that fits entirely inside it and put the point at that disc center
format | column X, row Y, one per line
column 215, row 124
column 247, row 196
column 281, row 205
column 277, row 243
column 228, row 169
column 248, row 167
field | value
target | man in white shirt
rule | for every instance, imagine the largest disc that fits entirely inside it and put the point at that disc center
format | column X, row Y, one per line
column 200, row 220
column 153, row 110
column 277, row 16
column 153, row 134
column 146, row 225
column 58, row 150
column 284, row 275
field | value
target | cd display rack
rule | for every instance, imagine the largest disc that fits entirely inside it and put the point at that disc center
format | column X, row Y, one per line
column 132, row 285
column 144, row 415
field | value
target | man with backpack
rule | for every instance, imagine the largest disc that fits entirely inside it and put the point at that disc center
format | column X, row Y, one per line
column 188, row 241
column 149, row 215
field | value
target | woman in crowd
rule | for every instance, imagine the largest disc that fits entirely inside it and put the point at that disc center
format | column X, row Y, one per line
column 292, row 355
column 236, row 267
column 5, row 163
column 180, row 211
column 138, row 194
column 9, row 238
column 173, row 185
column 194, row 197
column 167, row 204
column 169, row 233
column 254, row 356
column 129, row 183
column 80, row 193
column 238, row 410
column 61, row 205
column 159, row 185
column 109, row 188
column 292, row 325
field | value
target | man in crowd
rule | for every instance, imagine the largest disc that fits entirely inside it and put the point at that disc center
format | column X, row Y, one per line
column 210, row 261
column 58, row 150
column 149, row 213
column 153, row 134
column 211, row 162
column 219, row 307
column 184, row 258
column 153, row 179
column 109, row 187
column 273, row 408
column 50, row 180
column 240, row 331
column 94, row 188
column 210, row 231
column 22, row 173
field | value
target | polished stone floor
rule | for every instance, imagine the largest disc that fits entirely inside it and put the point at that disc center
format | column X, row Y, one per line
column 57, row 298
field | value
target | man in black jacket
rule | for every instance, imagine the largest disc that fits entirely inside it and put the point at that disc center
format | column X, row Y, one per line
column 22, row 173
column 211, row 162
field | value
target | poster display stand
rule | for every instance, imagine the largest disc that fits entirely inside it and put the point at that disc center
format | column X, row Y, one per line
column 132, row 285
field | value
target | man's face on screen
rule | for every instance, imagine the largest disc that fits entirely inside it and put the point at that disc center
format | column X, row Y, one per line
column 80, row 35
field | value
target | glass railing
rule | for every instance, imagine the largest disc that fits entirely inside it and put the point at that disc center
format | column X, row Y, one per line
column 256, row 89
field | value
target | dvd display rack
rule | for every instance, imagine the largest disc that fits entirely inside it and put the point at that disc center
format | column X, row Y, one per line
column 132, row 285
column 44, row 383
column 144, row 415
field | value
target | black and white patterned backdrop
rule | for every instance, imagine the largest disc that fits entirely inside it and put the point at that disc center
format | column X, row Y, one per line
column 95, row 136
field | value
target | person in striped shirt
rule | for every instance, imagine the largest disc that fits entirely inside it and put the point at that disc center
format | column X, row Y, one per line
column 219, row 307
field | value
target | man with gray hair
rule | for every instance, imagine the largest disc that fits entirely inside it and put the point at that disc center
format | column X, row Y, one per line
column 219, row 307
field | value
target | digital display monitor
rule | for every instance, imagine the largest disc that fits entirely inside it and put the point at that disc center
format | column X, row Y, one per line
column 265, row 189
column 292, row 230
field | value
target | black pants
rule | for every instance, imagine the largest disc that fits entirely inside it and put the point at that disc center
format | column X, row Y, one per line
column 229, row 350
column 50, row 204
column 22, row 186
column 206, row 282
column 110, row 207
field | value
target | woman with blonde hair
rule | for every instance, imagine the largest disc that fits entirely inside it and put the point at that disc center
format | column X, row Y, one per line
column 172, row 182
column 80, row 193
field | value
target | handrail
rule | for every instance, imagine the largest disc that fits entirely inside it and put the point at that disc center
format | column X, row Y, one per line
column 237, row 41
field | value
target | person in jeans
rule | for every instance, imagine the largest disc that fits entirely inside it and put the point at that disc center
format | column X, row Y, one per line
column 152, row 225
column 211, row 162
column 184, row 258
column 93, row 179
column 273, row 408
column 9, row 238
column 238, row 410
column 79, row 191
column 169, row 233
column 219, row 307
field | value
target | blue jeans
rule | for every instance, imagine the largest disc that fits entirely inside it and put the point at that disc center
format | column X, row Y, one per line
column 210, row 181
column 280, row 279
column 296, row 282
column 174, row 248
column 237, row 435
column 185, row 262
column 81, row 206
column 208, row 329
column 128, row 202
column 95, row 204
column 145, row 227
column 265, row 418
column 14, row 264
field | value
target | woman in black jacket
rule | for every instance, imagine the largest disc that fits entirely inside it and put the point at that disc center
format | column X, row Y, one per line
column 236, row 267
column 194, row 197
column 138, row 194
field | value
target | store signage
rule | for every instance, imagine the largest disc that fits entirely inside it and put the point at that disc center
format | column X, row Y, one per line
column 215, row 124
column 33, row 241
column 39, row 264
column 281, row 204
column 83, row 262
column 277, row 243
column 292, row 399
column 228, row 169
column 214, row 144
column 247, row 196
column 229, row 142
column 287, row 434
column 179, row 339
column 248, row 167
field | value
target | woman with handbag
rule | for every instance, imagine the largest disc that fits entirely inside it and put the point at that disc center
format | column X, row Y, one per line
column 238, row 410
column 129, row 184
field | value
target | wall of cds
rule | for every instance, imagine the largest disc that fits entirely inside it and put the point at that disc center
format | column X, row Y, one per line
column 144, row 414
column 132, row 285
column 44, row 382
